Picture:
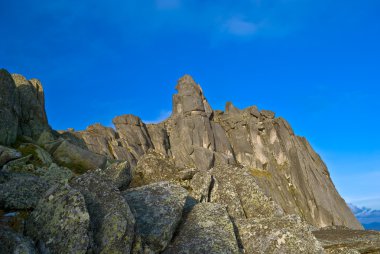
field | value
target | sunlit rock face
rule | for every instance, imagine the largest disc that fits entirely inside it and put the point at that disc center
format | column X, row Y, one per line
column 283, row 164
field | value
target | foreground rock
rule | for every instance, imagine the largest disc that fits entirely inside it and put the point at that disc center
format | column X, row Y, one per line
column 155, row 167
column 8, row 154
column 21, row 191
column 207, row 229
column 60, row 222
column 111, row 220
column 119, row 173
column 158, row 209
column 339, row 239
column 237, row 189
column 277, row 235
column 15, row 243
column 78, row 159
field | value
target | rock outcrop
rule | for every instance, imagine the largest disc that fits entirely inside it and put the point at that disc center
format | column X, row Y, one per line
column 22, row 108
column 60, row 222
column 206, row 229
column 158, row 210
column 282, row 164
column 286, row 234
column 20, row 191
column 111, row 220
column 202, row 181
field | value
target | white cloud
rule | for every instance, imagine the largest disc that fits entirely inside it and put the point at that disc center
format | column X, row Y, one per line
column 161, row 117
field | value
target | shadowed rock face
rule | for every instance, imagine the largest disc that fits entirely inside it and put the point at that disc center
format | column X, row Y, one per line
column 283, row 165
column 22, row 108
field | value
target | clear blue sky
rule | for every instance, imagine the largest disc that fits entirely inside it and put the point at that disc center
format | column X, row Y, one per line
column 315, row 63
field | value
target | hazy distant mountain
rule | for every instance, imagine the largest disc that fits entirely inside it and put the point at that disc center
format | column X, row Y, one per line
column 370, row 218
column 372, row 226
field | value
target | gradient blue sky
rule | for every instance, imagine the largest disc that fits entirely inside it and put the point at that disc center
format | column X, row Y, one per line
column 315, row 63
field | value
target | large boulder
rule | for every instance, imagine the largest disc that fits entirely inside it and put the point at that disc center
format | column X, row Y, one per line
column 12, row 242
column 60, row 222
column 280, row 235
column 111, row 220
column 55, row 174
column 8, row 154
column 77, row 158
column 237, row 189
column 119, row 173
column 21, row 191
column 158, row 209
column 206, row 229
column 154, row 167
column 9, row 109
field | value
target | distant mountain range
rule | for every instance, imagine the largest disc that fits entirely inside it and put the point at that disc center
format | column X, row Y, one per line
column 370, row 218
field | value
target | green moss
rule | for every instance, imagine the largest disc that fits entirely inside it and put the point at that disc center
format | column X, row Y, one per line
column 77, row 168
column 29, row 149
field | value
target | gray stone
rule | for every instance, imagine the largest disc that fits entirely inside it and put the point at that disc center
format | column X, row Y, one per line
column 236, row 188
column 154, row 167
column 206, row 229
column 60, row 222
column 158, row 209
column 344, row 240
column 55, row 174
column 134, row 134
column 8, row 154
column 283, row 166
column 231, row 109
column 12, row 242
column 111, row 220
column 280, row 235
column 32, row 119
column 119, row 173
column 9, row 109
column 40, row 157
column 267, row 114
column 21, row 191
column 159, row 137
column 77, row 159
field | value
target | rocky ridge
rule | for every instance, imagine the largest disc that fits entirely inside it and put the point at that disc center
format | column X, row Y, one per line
column 202, row 181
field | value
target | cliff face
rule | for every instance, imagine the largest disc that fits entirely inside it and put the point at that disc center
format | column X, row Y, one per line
column 22, row 108
column 284, row 165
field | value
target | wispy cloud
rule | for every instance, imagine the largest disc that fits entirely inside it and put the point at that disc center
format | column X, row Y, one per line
column 164, row 114
column 240, row 27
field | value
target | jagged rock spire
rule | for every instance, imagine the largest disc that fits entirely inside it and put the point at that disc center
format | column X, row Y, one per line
column 190, row 98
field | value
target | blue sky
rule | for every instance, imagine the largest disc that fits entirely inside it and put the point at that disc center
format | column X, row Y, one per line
column 315, row 63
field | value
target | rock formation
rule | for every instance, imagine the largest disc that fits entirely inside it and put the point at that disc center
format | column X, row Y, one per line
column 284, row 165
column 202, row 181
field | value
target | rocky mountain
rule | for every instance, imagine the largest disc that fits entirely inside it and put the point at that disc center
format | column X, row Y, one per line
column 283, row 164
column 202, row 181
column 370, row 218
